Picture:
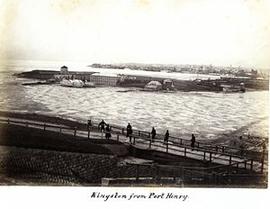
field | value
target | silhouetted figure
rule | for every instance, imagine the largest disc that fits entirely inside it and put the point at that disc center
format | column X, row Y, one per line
column 166, row 137
column 153, row 132
column 193, row 140
column 108, row 132
column 101, row 125
column 129, row 131
column 89, row 123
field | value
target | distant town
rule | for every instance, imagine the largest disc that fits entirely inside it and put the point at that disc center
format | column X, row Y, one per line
column 195, row 69
column 226, row 79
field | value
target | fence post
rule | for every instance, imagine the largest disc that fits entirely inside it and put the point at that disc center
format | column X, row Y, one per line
column 181, row 141
column 210, row 157
column 134, row 140
column 88, row 133
column 182, row 171
column 149, row 135
column 198, row 144
column 262, row 164
column 8, row 120
column 229, row 169
column 245, row 164
column 123, row 130
column 223, row 149
column 117, row 137
column 60, row 129
column 157, row 174
column 167, row 146
column 26, row 123
column 150, row 142
column 230, row 160
column 204, row 155
column 185, row 151
column 251, row 165
column 75, row 130
column 139, row 133
column 44, row 126
column 214, row 177
column 137, row 172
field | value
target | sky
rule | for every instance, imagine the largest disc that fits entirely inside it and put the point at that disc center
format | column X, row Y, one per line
column 218, row 32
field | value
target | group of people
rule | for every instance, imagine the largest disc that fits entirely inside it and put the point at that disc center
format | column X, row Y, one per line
column 167, row 135
column 104, row 127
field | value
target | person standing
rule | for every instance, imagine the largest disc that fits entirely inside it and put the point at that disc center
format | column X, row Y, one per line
column 166, row 137
column 101, row 125
column 129, row 131
column 193, row 140
column 153, row 132
column 108, row 132
column 89, row 123
column 166, row 140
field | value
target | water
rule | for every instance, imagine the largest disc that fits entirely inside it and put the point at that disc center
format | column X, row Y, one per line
column 207, row 114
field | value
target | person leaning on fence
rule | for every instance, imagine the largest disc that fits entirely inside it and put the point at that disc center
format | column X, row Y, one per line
column 166, row 137
column 101, row 125
column 153, row 132
column 193, row 140
column 129, row 131
column 108, row 132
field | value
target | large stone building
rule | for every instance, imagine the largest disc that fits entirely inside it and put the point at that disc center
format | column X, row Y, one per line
column 104, row 79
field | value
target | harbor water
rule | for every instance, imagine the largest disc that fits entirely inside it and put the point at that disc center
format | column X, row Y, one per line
column 208, row 115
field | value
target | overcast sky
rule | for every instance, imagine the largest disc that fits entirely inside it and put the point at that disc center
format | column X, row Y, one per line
column 218, row 32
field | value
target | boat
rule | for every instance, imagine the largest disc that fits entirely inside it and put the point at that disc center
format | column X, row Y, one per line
column 76, row 83
column 233, row 88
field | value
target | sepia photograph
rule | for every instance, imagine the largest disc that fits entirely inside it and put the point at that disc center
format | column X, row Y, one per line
column 134, row 93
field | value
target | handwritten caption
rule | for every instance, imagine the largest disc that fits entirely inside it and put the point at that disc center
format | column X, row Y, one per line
column 134, row 196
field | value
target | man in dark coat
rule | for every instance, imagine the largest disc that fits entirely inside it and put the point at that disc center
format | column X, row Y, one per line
column 166, row 137
column 192, row 141
column 101, row 125
column 129, row 131
column 89, row 123
column 153, row 132
column 108, row 132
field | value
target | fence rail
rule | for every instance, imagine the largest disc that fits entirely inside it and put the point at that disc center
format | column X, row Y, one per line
column 180, row 175
column 143, row 138
column 217, row 148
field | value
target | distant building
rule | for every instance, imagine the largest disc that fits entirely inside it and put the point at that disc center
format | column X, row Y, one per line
column 104, row 79
column 168, row 84
column 64, row 70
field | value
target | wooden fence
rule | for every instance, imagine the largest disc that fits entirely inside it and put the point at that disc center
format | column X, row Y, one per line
column 175, row 145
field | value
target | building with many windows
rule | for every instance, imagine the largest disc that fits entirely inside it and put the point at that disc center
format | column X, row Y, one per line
column 104, row 79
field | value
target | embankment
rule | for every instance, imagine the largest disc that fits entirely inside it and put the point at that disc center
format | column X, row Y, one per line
column 13, row 135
